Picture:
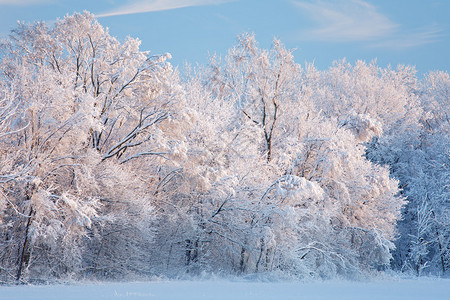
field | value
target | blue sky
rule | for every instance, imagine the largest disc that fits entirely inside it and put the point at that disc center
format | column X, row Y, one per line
column 412, row 32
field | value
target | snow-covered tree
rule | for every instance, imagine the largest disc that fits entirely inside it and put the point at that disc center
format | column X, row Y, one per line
column 419, row 159
column 274, row 184
column 86, row 108
column 112, row 166
column 369, row 100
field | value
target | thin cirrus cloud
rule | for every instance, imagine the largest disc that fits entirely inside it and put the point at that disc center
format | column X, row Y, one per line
column 359, row 21
column 345, row 21
column 23, row 2
column 418, row 37
column 142, row 6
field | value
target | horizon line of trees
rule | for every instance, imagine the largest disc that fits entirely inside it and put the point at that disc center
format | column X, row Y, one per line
column 113, row 165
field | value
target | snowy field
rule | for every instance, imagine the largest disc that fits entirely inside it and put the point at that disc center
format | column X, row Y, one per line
column 408, row 289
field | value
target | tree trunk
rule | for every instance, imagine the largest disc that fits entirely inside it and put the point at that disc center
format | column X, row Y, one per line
column 243, row 260
column 441, row 254
column 260, row 254
column 23, row 257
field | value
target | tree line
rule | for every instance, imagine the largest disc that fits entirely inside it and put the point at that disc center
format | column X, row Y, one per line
column 113, row 165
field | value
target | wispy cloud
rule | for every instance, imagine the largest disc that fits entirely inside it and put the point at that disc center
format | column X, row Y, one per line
column 418, row 37
column 142, row 6
column 24, row 2
column 344, row 21
column 359, row 21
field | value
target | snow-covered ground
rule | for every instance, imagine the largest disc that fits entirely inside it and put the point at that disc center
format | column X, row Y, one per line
column 410, row 289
